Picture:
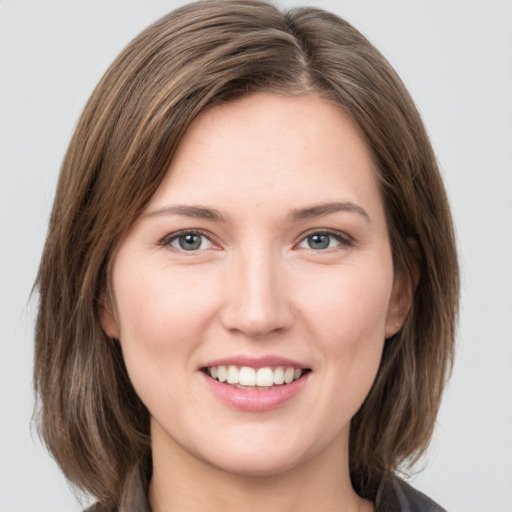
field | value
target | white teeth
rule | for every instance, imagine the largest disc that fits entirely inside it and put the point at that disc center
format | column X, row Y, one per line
column 264, row 377
column 249, row 377
column 232, row 376
column 279, row 376
column 221, row 373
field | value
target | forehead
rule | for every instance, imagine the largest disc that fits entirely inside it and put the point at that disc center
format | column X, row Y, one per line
column 268, row 147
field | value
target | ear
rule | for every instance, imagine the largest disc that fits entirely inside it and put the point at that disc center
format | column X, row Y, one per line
column 108, row 319
column 403, row 291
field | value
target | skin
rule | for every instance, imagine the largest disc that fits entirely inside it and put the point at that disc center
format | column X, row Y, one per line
column 256, row 287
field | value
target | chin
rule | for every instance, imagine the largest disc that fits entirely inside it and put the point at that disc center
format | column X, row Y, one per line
column 261, row 455
column 263, row 466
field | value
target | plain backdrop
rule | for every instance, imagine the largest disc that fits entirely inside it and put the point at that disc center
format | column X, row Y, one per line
column 456, row 59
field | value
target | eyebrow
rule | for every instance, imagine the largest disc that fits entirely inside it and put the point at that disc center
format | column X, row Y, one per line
column 196, row 212
column 319, row 210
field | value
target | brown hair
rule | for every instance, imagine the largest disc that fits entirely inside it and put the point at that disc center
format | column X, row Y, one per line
column 199, row 55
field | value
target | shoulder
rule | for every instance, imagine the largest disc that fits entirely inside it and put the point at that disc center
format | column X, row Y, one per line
column 395, row 495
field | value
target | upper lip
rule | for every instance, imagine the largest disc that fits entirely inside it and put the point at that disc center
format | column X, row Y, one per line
column 255, row 362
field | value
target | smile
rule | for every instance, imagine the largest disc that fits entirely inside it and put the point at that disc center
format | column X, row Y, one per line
column 246, row 377
column 255, row 384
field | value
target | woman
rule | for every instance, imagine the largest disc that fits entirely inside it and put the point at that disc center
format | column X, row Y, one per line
column 249, row 287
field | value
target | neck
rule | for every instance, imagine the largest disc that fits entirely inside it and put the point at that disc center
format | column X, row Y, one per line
column 183, row 482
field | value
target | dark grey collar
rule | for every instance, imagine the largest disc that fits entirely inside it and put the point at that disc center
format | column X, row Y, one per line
column 395, row 495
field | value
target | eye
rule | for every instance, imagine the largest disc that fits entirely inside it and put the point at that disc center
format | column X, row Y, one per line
column 321, row 240
column 189, row 241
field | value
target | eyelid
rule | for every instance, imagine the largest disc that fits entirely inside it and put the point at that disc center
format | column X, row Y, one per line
column 344, row 239
column 167, row 239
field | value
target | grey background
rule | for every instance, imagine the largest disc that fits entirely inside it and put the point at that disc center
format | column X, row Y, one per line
column 456, row 59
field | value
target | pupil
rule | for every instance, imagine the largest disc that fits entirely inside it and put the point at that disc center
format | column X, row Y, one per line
column 190, row 242
column 318, row 241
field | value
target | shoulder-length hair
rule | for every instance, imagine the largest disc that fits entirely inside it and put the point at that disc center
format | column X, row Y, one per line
column 200, row 55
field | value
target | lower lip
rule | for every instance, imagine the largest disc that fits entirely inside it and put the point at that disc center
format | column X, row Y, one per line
column 255, row 400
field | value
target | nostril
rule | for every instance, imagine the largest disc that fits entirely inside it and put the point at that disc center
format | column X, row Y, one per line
column 257, row 305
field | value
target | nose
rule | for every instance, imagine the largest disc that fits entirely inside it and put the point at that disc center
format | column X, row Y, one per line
column 258, row 303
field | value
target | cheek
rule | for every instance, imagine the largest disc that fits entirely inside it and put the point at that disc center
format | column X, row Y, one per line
column 349, row 309
column 156, row 307
column 161, row 322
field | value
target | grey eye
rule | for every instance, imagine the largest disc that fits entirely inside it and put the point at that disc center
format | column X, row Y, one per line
column 322, row 240
column 319, row 241
column 190, row 242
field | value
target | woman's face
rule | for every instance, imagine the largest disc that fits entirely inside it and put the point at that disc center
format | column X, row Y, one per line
column 263, row 256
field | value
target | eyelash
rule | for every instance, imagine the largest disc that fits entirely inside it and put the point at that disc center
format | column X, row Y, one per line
column 166, row 241
column 342, row 239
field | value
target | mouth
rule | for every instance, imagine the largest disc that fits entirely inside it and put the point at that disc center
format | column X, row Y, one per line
column 259, row 379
